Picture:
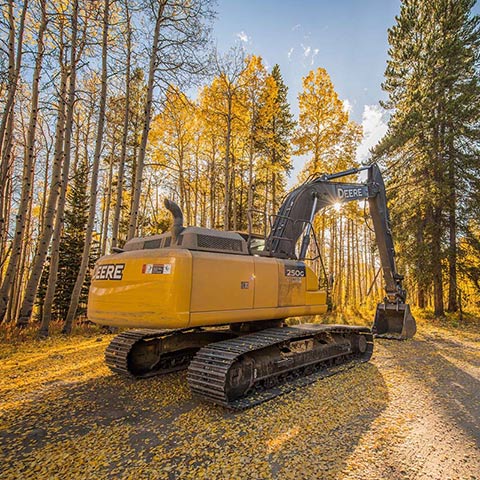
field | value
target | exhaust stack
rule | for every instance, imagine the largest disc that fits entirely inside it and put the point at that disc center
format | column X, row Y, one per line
column 176, row 211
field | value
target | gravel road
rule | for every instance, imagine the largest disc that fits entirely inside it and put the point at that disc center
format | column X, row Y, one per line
column 413, row 412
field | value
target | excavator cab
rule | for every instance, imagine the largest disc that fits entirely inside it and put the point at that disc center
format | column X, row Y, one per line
column 394, row 321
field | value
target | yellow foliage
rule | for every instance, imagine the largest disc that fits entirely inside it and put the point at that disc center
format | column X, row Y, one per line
column 324, row 129
column 64, row 415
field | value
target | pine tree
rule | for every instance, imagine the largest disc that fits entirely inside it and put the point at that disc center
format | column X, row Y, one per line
column 73, row 239
column 280, row 128
column 432, row 83
column 71, row 247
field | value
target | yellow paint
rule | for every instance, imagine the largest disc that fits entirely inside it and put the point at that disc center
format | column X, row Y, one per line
column 266, row 283
column 233, row 316
column 200, row 289
column 291, row 289
column 312, row 280
column 218, row 279
column 316, row 298
column 141, row 299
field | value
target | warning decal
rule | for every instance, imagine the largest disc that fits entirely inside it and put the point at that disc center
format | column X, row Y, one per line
column 157, row 268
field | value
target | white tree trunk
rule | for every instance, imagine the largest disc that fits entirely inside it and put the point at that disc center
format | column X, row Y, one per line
column 28, row 172
column 146, row 125
column 72, row 310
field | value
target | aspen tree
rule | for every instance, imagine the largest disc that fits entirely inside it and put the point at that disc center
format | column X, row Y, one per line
column 15, row 53
column 140, row 160
column 94, row 177
column 55, row 184
column 126, row 122
column 225, row 86
column 28, row 168
column 322, row 118
column 59, row 217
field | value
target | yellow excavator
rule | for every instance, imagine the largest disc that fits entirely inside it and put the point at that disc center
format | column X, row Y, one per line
column 216, row 302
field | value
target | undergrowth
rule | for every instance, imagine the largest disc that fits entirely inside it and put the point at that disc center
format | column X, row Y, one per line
column 465, row 321
column 10, row 333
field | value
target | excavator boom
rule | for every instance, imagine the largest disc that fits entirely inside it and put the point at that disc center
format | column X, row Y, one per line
column 393, row 318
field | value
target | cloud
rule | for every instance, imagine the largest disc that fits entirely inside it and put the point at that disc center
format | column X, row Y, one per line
column 374, row 128
column 306, row 50
column 347, row 105
column 289, row 54
column 309, row 53
column 296, row 27
column 243, row 36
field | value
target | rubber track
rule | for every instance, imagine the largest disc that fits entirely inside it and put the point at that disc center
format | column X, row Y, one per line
column 208, row 370
column 116, row 354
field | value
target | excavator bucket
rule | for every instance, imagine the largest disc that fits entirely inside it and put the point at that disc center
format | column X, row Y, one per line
column 394, row 321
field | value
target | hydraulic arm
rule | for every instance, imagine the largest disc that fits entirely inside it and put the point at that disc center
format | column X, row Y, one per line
column 295, row 217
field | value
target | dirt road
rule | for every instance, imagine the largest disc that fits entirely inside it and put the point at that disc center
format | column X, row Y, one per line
column 413, row 412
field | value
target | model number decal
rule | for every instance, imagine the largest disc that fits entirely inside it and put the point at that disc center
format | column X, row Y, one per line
column 296, row 272
column 109, row 271
column 157, row 268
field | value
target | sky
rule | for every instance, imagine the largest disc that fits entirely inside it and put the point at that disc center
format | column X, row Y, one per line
column 346, row 37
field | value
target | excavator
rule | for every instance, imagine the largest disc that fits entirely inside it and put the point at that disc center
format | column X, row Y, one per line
column 216, row 302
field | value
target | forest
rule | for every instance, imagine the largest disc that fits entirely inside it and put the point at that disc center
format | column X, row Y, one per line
column 225, row 364
column 108, row 106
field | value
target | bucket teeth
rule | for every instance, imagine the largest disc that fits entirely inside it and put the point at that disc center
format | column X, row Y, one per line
column 394, row 321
